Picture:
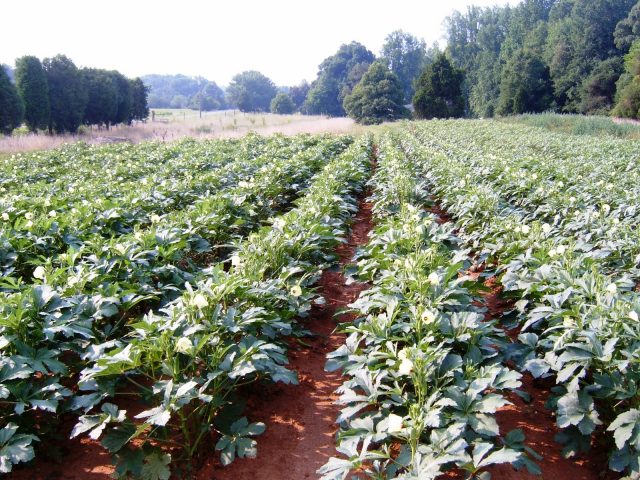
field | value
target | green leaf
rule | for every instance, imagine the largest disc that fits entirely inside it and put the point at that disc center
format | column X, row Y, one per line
column 256, row 428
column 156, row 467
column 118, row 437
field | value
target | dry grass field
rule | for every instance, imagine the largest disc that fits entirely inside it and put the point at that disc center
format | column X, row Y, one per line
column 169, row 125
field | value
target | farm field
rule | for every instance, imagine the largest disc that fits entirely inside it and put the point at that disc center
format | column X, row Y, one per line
column 442, row 299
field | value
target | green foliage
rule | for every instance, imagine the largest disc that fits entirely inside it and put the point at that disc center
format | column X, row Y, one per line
column 14, row 448
column 599, row 88
column 156, row 214
column 123, row 98
column 581, row 33
column 194, row 92
column 32, row 85
column 628, row 94
column 526, row 86
column 139, row 95
column 406, row 56
column 102, row 97
column 251, row 91
column 67, row 94
column 11, row 107
column 628, row 30
column 377, row 98
column 572, row 38
column 298, row 93
column 439, row 91
column 282, row 104
column 337, row 75
column 572, row 124
column 210, row 97
column 551, row 212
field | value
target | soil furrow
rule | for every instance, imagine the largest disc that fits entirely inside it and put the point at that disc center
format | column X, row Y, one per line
column 300, row 419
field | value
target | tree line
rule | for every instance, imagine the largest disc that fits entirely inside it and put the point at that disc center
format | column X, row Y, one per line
column 571, row 56
column 56, row 96
column 181, row 91
column 351, row 82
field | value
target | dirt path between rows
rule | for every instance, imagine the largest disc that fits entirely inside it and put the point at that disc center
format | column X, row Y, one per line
column 300, row 419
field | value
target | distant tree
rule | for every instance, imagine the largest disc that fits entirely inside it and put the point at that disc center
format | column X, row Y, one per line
column 102, row 97
column 439, row 91
column 179, row 101
column 125, row 99
column 11, row 108
column 139, row 103
column 353, row 78
column 628, row 93
column 251, row 91
column 282, row 104
column 210, row 97
column 377, row 98
column 628, row 30
column 599, row 88
column 199, row 92
column 525, row 86
column 67, row 94
column 406, row 56
column 581, row 34
column 323, row 98
column 298, row 93
column 32, row 85
column 333, row 83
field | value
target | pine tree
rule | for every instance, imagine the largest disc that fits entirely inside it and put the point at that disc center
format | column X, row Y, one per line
column 439, row 91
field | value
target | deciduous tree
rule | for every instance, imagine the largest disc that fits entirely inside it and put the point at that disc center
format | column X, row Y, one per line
column 377, row 98
column 406, row 57
column 139, row 103
column 251, row 91
column 282, row 104
column 333, row 83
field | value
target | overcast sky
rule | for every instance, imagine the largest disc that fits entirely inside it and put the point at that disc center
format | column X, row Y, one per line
column 284, row 39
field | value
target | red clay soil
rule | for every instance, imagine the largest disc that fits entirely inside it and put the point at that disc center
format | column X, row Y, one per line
column 300, row 419
column 84, row 459
column 537, row 422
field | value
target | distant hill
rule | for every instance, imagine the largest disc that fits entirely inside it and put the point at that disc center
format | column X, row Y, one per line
column 180, row 91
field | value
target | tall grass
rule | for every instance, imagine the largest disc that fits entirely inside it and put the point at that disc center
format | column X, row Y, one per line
column 580, row 124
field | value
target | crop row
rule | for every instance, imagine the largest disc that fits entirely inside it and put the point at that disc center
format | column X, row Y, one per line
column 44, row 226
column 425, row 371
column 190, row 359
column 50, row 327
column 562, row 231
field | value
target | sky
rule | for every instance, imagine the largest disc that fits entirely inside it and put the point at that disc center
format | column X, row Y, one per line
column 284, row 39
